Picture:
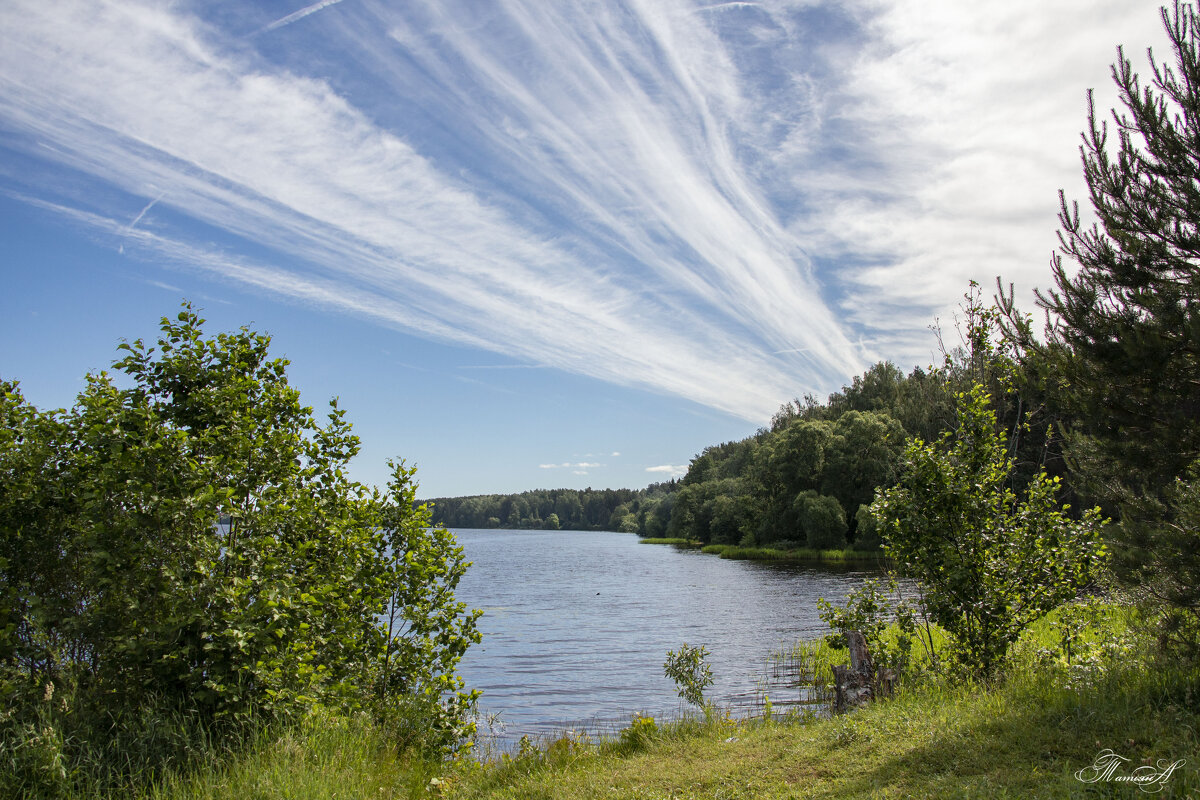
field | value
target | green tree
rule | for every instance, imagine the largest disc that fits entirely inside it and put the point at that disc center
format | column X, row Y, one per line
column 411, row 662
column 790, row 463
column 861, row 455
column 822, row 520
column 569, row 509
column 186, row 538
column 1123, row 337
column 866, row 529
column 991, row 562
column 731, row 517
column 658, row 516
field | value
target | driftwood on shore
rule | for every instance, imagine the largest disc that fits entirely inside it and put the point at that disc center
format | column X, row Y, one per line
column 859, row 682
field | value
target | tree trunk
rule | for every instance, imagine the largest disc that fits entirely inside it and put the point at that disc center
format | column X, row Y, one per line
column 860, row 682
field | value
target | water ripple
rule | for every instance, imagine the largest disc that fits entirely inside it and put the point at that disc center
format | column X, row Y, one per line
column 577, row 625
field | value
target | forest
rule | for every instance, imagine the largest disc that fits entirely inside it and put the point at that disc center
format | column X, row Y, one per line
column 588, row 509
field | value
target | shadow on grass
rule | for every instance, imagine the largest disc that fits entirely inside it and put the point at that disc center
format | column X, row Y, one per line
column 1027, row 740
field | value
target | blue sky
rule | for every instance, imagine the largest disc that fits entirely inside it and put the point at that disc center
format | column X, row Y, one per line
column 534, row 244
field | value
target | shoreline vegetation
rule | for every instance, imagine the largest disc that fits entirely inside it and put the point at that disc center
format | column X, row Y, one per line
column 802, row 555
column 799, row 555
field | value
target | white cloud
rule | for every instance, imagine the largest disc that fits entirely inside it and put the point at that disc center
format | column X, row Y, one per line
column 139, row 96
column 669, row 469
column 966, row 121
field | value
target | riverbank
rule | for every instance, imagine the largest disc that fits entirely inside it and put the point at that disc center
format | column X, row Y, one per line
column 799, row 556
column 802, row 555
column 1038, row 734
column 1029, row 739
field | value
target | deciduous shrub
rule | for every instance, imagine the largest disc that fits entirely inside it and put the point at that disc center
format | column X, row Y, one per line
column 991, row 562
column 689, row 671
column 185, row 539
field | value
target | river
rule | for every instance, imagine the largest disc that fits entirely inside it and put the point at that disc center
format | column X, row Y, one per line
column 576, row 626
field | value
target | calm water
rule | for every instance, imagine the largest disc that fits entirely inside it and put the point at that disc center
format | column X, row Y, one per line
column 576, row 625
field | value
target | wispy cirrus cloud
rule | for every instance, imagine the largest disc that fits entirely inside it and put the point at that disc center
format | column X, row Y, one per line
column 634, row 250
column 735, row 203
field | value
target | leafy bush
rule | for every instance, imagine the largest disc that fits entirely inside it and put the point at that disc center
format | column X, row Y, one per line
column 640, row 734
column 991, row 563
column 689, row 671
column 187, row 540
column 870, row 610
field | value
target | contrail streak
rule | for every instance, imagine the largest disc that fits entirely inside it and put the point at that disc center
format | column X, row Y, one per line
column 301, row 14
column 142, row 213
column 717, row 6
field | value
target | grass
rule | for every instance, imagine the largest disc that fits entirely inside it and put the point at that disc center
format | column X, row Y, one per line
column 846, row 556
column 798, row 555
column 323, row 758
column 1024, row 738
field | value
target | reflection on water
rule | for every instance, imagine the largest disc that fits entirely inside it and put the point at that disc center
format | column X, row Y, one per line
column 576, row 625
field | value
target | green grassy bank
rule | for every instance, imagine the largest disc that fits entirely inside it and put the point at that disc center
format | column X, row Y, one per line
column 1027, row 737
column 800, row 555
column 804, row 554
column 1025, row 740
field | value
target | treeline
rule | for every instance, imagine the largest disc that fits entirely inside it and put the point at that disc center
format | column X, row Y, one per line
column 627, row 510
column 807, row 480
column 803, row 481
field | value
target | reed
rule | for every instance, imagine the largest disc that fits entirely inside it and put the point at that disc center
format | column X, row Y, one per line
column 799, row 555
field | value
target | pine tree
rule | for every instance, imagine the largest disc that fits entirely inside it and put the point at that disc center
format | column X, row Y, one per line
column 1124, row 336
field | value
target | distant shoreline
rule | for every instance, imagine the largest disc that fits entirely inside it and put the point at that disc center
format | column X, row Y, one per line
column 798, row 556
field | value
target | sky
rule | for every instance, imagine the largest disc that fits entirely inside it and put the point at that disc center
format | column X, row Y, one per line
column 535, row 244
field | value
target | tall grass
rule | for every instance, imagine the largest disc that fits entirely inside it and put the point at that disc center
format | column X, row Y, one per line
column 324, row 757
column 804, row 554
column 71, row 753
column 62, row 747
